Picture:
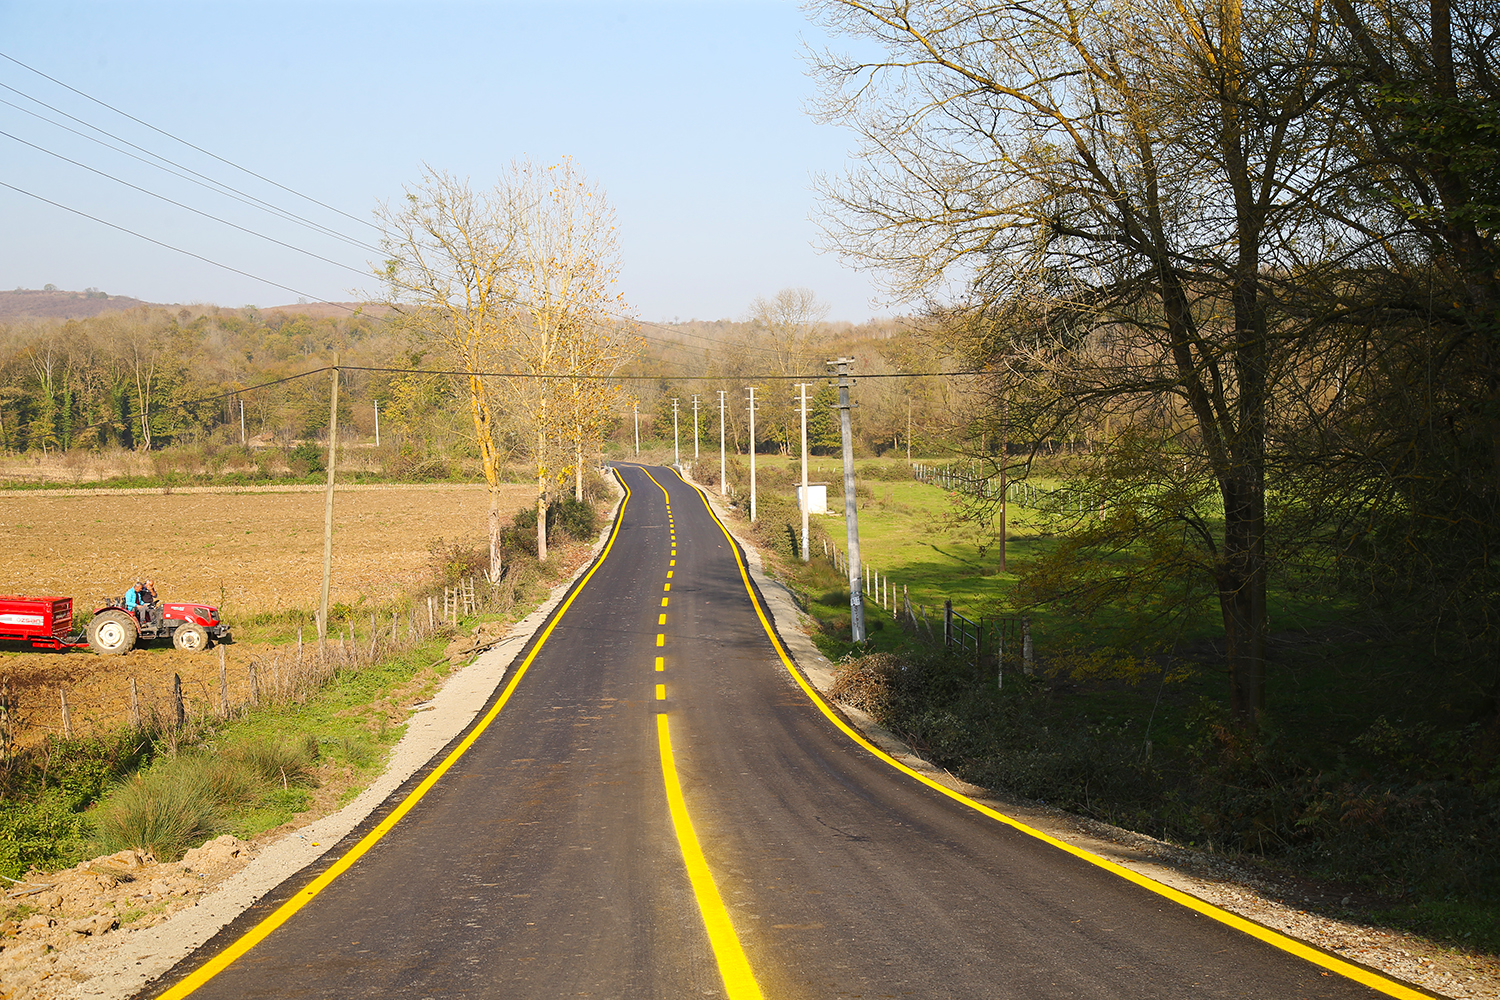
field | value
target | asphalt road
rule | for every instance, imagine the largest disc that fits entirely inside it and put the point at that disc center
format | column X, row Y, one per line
column 555, row 857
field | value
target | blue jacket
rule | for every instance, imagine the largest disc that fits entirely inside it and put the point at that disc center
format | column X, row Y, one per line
column 131, row 599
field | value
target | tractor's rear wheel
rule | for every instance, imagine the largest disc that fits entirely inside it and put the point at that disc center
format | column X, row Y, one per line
column 112, row 633
column 190, row 637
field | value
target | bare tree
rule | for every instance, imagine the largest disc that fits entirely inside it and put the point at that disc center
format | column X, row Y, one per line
column 1093, row 175
column 450, row 275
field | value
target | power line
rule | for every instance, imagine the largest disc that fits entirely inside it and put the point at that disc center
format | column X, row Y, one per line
column 183, row 172
column 168, row 246
column 189, row 208
column 184, row 142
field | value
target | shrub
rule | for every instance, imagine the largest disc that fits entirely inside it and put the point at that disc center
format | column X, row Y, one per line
column 164, row 810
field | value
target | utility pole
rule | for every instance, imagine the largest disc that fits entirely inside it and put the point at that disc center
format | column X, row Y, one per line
column 676, row 458
column 723, row 487
column 635, row 407
column 752, row 454
column 1004, row 451
column 695, row 430
column 377, row 423
column 242, row 423
column 908, row 425
column 333, row 451
column 851, row 511
column 806, row 549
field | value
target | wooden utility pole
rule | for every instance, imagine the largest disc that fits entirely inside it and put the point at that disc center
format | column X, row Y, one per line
column 333, row 451
column 723, row 488
column 851, row 509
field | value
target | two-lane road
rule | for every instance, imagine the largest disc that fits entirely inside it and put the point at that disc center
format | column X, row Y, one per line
column 656, row 806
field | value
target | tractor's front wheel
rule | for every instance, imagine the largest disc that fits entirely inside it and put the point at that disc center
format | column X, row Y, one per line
column 190, row 637
column 112, row 633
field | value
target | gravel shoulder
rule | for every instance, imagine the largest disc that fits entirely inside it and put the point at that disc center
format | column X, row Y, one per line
column 1297, row 908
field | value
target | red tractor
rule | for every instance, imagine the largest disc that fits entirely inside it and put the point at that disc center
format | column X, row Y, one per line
column 47, row 623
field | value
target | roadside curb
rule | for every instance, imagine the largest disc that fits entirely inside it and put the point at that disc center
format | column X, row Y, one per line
column 121, row 967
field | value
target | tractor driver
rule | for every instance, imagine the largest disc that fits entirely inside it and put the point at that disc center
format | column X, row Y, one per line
column 135, row 598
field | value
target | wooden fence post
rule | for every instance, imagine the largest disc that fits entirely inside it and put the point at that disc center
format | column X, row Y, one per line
column 135, row 706
column 254, row 684
column 67, row 720
column 179, row 712
column 948, row 621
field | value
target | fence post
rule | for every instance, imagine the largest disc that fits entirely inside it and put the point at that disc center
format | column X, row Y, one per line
column 1028, row 664
column 135, row 706
column 254, row 684
column 948, row 621
column 223, row 687
column 179, row 713
column 430, row 624
column 67, row 720
column 1000, row 656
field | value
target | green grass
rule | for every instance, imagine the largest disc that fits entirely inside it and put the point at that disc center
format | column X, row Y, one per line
column 1369, row 769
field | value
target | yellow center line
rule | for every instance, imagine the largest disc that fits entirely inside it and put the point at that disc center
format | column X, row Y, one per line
column 667, row 587
column 1290, row 945
column 661, row 619
column 669, row 574
column 734, row 967
column 672, row 563
column 664, row 602
column 661, row 640
column 661, row 663
column 661, row 692
column 288, row 909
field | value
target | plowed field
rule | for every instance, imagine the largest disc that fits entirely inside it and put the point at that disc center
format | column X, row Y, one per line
column 245, row 551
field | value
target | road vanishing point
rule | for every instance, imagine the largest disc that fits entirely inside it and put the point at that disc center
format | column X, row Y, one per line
column 657, row 804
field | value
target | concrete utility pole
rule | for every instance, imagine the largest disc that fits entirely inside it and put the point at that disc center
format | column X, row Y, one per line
column 1004, row 451
column 752, row 454
column 851, row 510
column 377, row 423
column 333, row 451
column 242, row 423
column 676, row 458
column 695, row 430
column 723, row 487
column 635, row 408
column 806, row 550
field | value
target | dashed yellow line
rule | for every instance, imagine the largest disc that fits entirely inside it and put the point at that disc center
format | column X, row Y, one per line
column 661, row 663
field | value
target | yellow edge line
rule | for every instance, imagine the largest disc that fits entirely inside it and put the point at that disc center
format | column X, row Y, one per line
column 1276, row 939
column 734, row 967
column 286, row 910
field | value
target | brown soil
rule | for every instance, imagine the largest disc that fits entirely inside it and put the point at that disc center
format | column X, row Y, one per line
column 247, row 552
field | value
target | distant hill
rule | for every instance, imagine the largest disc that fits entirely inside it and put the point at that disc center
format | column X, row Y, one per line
column 54, row 303
column 336, row 310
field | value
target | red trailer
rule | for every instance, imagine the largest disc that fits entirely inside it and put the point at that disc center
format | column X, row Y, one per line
column 47, row 623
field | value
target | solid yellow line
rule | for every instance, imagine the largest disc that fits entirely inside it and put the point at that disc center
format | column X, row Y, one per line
column 1361, row 975
column 734, row 967
column 286, row 910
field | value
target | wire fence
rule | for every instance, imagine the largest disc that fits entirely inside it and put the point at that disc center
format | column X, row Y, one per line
column 994, row 643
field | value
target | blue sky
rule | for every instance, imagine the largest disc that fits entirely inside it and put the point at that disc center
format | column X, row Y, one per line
column 691, row 115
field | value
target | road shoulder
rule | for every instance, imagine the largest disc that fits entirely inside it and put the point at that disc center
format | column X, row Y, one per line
column 1285, row 904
